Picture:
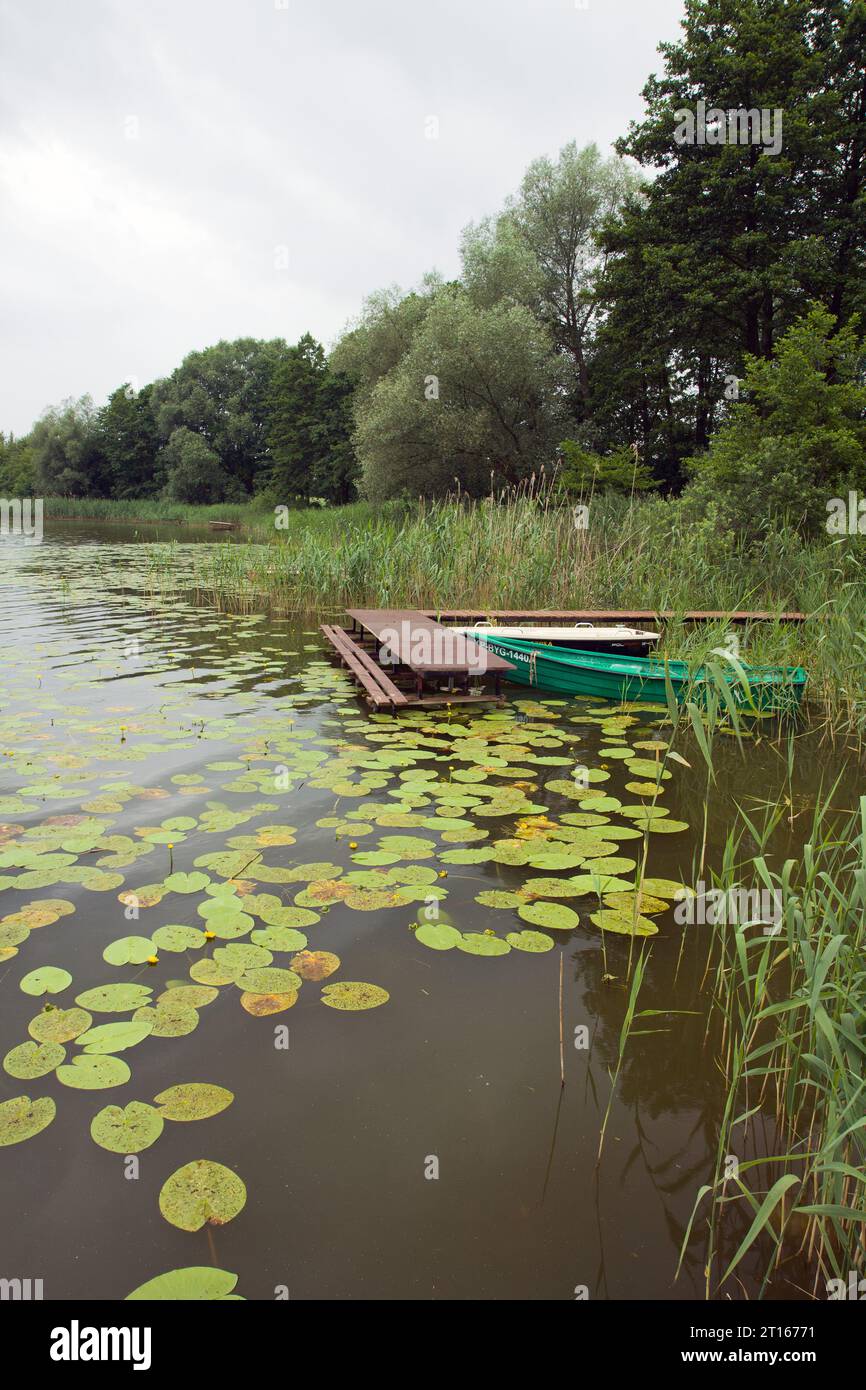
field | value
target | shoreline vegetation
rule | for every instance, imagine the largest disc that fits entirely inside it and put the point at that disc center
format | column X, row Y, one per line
column 525, row 549
column 787, row 1006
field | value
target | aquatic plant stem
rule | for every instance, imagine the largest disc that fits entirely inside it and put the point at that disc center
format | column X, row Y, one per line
column 561, row 1034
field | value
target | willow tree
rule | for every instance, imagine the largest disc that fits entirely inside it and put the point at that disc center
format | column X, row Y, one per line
column 475, row 400
column 543, row 249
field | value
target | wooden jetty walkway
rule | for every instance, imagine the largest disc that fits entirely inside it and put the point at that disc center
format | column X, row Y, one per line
column 533, row 616
column 396, row 654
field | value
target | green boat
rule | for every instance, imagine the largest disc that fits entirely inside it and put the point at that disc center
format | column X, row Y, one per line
column 619, row 678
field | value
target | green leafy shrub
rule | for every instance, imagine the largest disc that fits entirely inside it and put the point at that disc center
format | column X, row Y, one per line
column 795, row 441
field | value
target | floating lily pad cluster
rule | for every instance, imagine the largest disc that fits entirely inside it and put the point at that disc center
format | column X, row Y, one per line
column 231, row 902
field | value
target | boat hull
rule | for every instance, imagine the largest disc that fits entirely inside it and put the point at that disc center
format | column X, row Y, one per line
column 631, row 678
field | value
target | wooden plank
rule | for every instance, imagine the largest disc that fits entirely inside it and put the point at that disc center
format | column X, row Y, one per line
column 348, row 654
column 381, row 677
column 607, row 615
column 425, row 646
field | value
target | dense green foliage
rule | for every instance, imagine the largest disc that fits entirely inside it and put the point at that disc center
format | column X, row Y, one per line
column 225, row 426
column 16, row 467
column 309, row 428
column 219, row 395
column 475, row 398
column 731, row 241
column 683, row 313
column 585, row 472
column 796, row 441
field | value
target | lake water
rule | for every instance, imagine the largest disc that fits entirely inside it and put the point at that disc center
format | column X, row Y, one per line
column 423, row 1148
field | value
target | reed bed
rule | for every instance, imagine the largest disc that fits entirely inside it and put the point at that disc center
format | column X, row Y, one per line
column 787, row 1198
column 255, row 516
column 784, row 1209
column 524, row 549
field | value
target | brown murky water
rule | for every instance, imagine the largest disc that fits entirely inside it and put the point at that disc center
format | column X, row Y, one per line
column 129, row 723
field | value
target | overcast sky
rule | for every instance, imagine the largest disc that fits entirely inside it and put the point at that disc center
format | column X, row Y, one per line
column 173, row 172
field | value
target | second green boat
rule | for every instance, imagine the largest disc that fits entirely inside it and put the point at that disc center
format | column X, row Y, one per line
column 628, row 678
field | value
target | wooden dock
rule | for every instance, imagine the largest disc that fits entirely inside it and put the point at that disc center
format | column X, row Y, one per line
column 401, row 657
column 533, row 616
column 404, row 657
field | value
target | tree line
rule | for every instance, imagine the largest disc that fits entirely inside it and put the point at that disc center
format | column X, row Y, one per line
column 685, row 313
column 236, row 419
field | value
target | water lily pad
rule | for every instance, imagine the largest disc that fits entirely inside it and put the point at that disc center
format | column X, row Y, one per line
column 550, row 888
column 557, row 857
column 114, row 1037
column 280, row 938
column 129, row 950
column 262, row 1005
column 408, row 846
column 270, row 980
column 13, row 934
column 535, row 941
column 178, row 938
column 667, row 888
column 196, row 1283
column 201, row 1193
column 128, row 1129
column 645, row 903
column 30, row 1060
column 109, row 999
column 577, row 790
column 312, row 873
column 242, row 955
column 21, row 1118
column 611, row 864
column 623, row 923
column 188, row 996
column 59, row 1025
column 193, row 1100
column 210, row 972
column 94, row 1073
column 480, row 944
column 554, row 916
column 169, row 1020
column 439, row 936
column 352, row 995
column 187, row 883
column 599, row 883
column 48, row 979
column 280, row 915
column 228, row 923
column 499, row 897
column 466, row 856
column 315, row 965
column 646, row 767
